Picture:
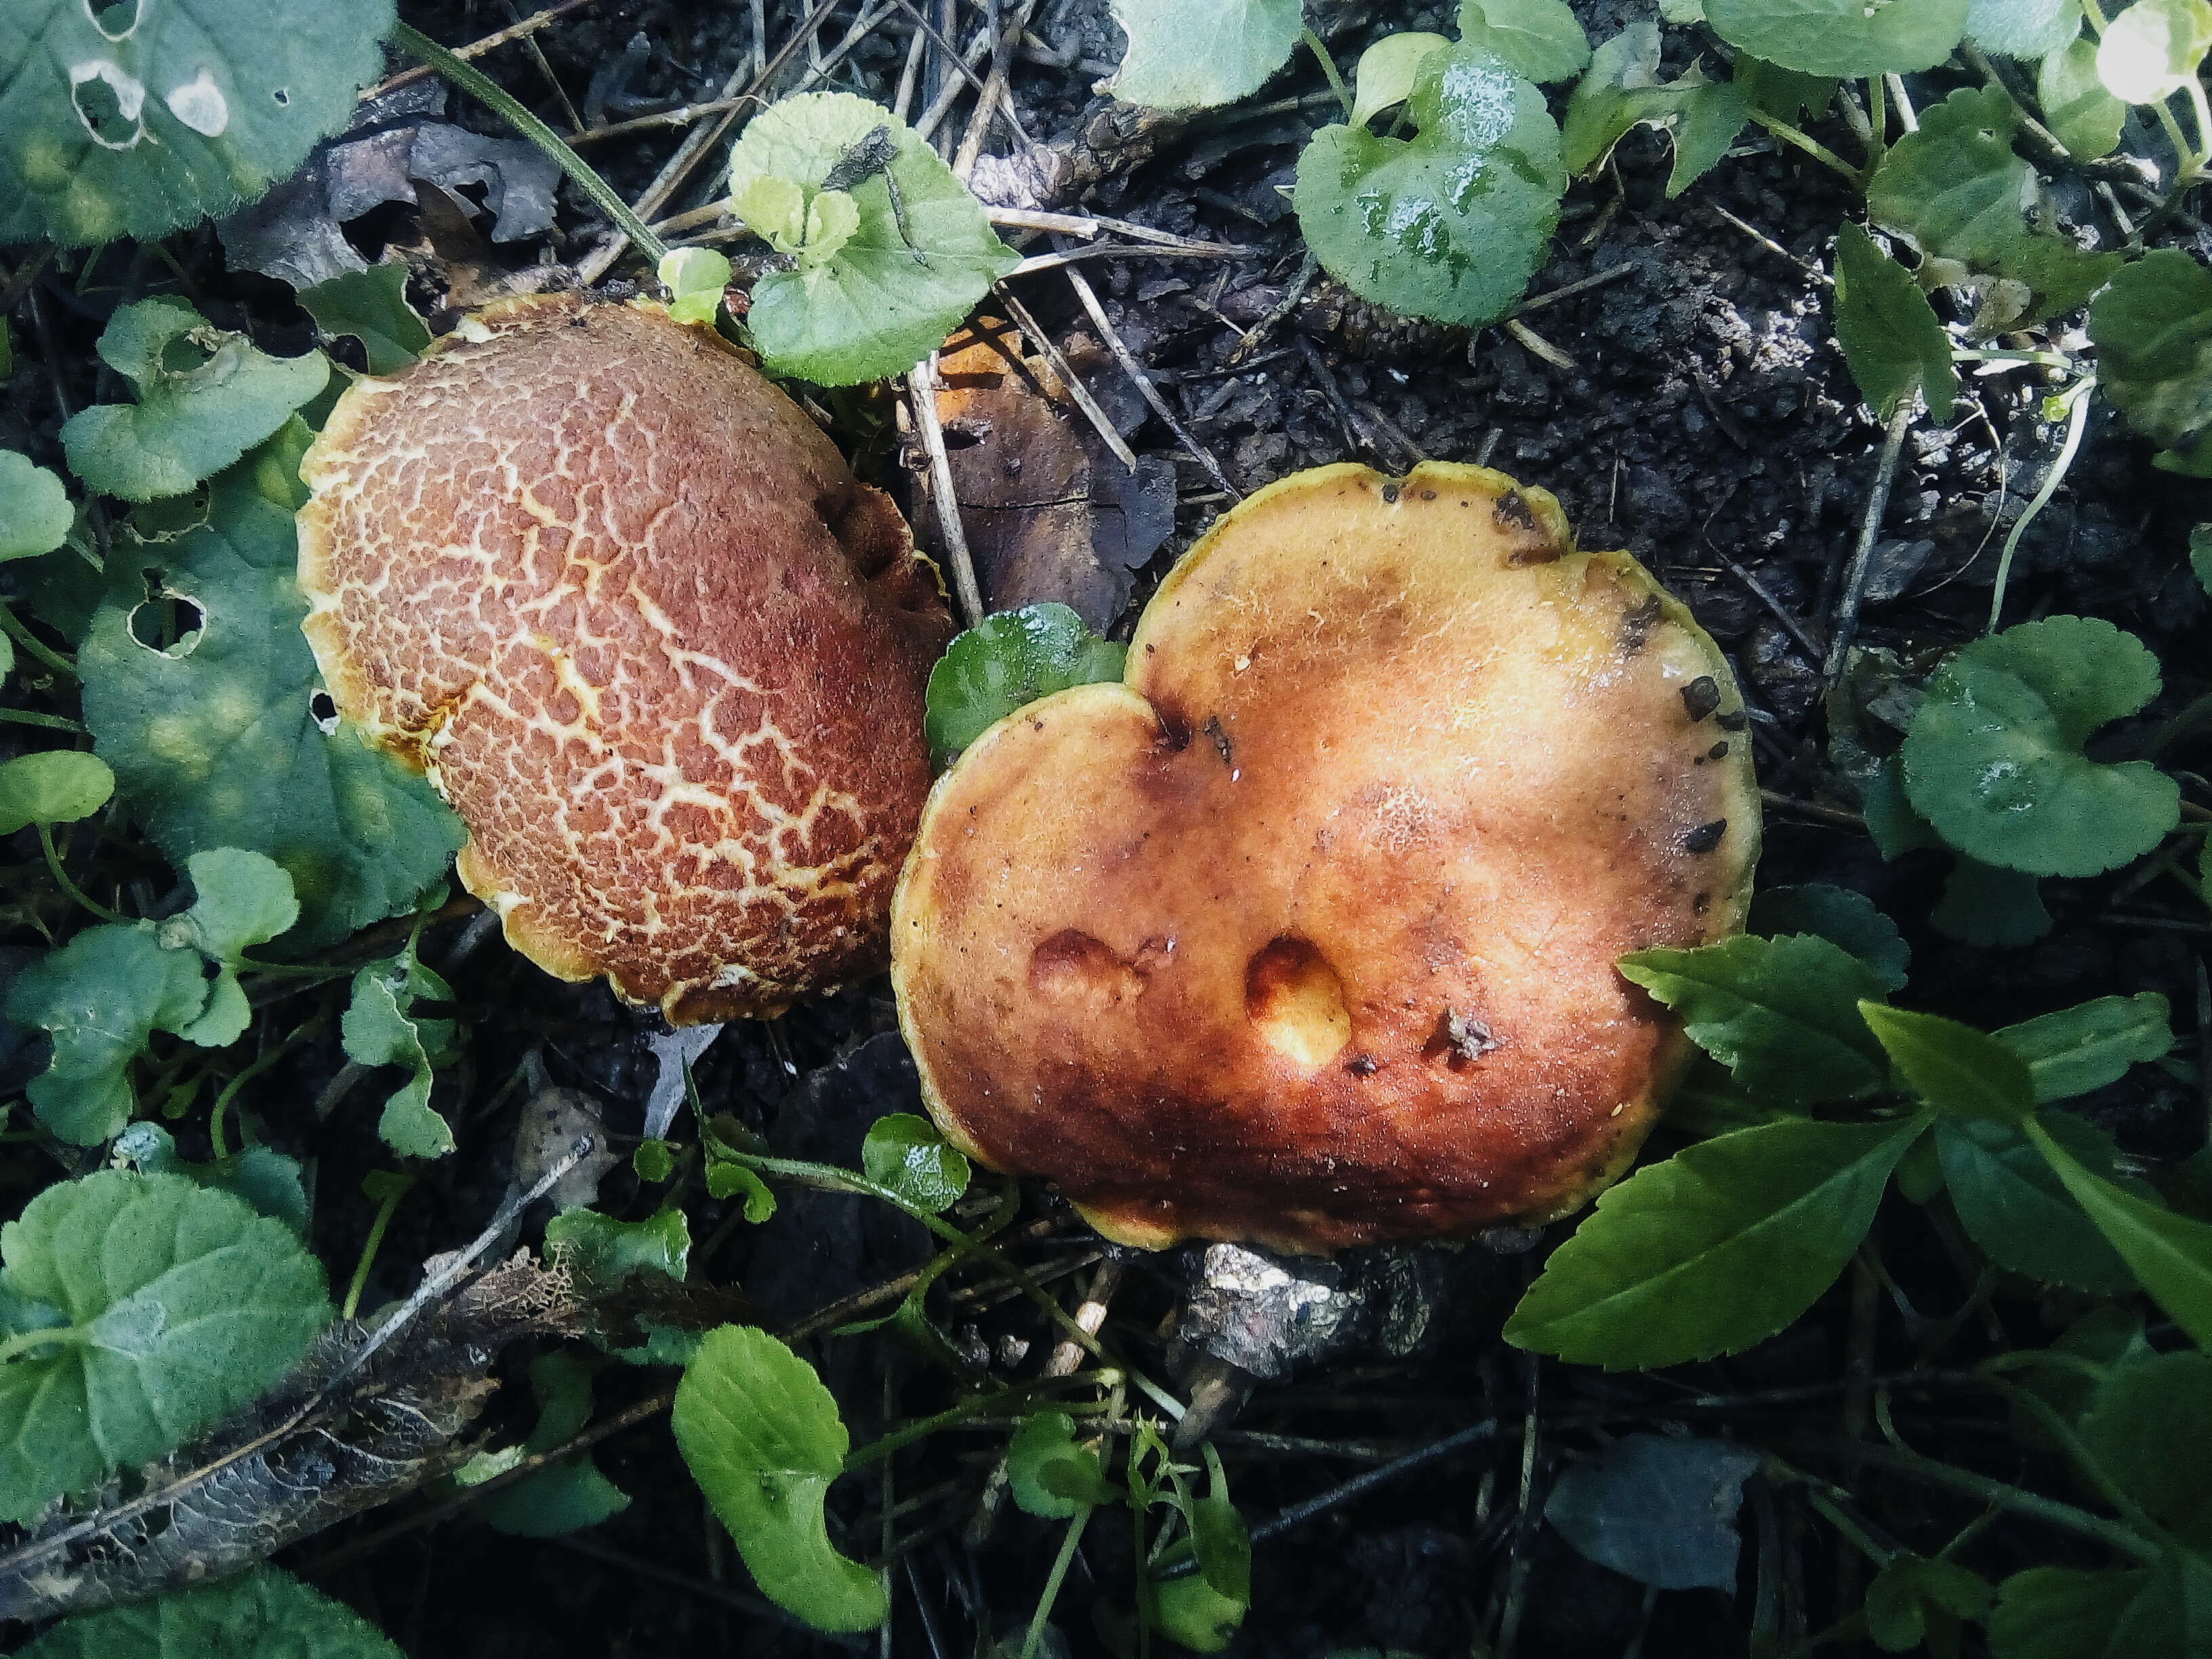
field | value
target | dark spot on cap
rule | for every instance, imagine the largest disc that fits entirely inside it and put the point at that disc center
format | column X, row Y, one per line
column 1734, row 721
column 1701, row 696
column 1390, row 493
column 1428, row 494
column 1704, row 837
column 1219, row 738
column 1636, row 623
column 1362, row 1066
column 1511, row 510
column 1718, row 751
column 1701, row 904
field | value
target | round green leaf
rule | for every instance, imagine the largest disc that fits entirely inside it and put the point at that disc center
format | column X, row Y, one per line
column 371, row 305
column 1387, row 72
column 59, row 786
column 762, row 1438
column 1994, row 758
column 900, row 276
column 1452, row 224
column 2152, row 50
column 1050, row 1476
column 1842, row 37
column 2153, row 329
column 136, row 119
column 1538, row 39
column 171, row 1304
column 695, row 278
column 1007, row 661
column 1186, row 56
column 34, row 508
column 2025, row 29
column 906, row 1154
column 266, row 1614
column 2084, row 117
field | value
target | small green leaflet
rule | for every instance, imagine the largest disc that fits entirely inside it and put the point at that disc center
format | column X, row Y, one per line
column 2171, row 1254
column 1840, row 916
column 1623, row 90
column 906, row 1154
column 1783, row 1014
column 1785, row 94
column 1954, row 1068
column 263, row 1177
column 2086, row 1047
column 371, row 307
column 35, row 514
column 266, row 1614
column 1050, row 1476
column 171, row 1304
column 1842, row 37
column 1915, row 1599
column 1537, row 40
column 1202, row 1612
column 1007, row 661
column 205, row 397
column 2152, row 50
column 695, row 278
column 218, row 744
column 1984, row 905
column 2016, row 1210
column 762, row 1438
column 2150, row 1427
column 54, row 785
column 2083, row 116
column 2064, row 1613
column 1994, row 758
column 1659, row 1509
column 603, row 1251
column 864, row 304
column 2152, row 330
column 1451, row 224
column 377, row 1030
column 1717, row 1247
column 567, row 1495
column 1183, row 56
column 2025, row 29
column 1890, row 335
column 1387, row 70
column 175, row 115
column 242, row 899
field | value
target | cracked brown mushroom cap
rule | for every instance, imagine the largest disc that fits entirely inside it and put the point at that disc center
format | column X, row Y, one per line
column 1305, row 933
column 630, row 611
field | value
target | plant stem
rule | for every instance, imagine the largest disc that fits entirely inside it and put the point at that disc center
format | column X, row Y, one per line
column 1319, row 49
column 479, row 86
column 1877, row 123
column 2056, row 476
column 52, row 722
column 13, row 626
column 24, row 1341
column 62, row 879
column 1812, row 146
column 981, row 1405
column 218, row 1139
column 369, row 1247
column 1053, row 1580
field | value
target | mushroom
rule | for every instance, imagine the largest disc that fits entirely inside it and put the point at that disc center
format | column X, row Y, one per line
column 1303, row 933
column 627, row 606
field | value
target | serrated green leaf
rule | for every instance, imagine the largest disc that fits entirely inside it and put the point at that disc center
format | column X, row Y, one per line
column 1387, row 70
column 1540, row 40
column 2149, row 1427
column 1623, row 91
column 909, row 1155
column 2152, row 330
column 371, row 307
column 139, row 120
column 567, row 1495
column 1193, row 57
column 695, row 278
column 1783, row 1014
column 1005, row 662
column 376, row 1031
column 2077, row 109
column 1842, row 37
column 1958, row 191
column 1049, row 1474
column 205, row 397
column 2016, row 1210
column 2171, row 1255
column 266, row 1614
column 1658, row 1509
column 1717, row 1247
column 2086, row 1047
column 605, row 1251
column 100, row 996
column 1785, row 95
column 1994, row 758
column 762, row 1438
column 35, row 514
column 272, row 1182
column 1891, row 337
column 879, row 306
column 2152, row 50
column 219, row 746
column 176, row 1304
column 1844, row 918
column 53, row 785
column 1986, row 906
column 1954, row 1068
column 2064, row 1613
column 2025, row 29
column 1452, row 224
column 241, row 899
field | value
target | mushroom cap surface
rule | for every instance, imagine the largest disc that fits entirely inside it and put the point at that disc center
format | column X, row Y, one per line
column 628, row 608
column 1304, row 933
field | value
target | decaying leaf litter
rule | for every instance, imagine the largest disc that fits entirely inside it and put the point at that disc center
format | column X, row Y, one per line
column 1682, row 400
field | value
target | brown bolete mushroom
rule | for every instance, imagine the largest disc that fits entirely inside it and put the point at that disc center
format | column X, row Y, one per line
column 630, row 611
column 1304, row 933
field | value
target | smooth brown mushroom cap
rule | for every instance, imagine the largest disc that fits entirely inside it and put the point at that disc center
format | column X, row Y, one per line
column 630, row 611
column 1305, row 934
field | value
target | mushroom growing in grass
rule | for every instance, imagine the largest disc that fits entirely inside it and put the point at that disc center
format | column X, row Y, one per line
column 1303, row 933
column 665, row 657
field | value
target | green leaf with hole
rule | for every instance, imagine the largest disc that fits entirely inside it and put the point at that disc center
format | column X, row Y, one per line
column 1844, row 918
column 695, row 278
column 55, row 786
column 1623, row 91
column 168, row 1305
column 1187, row 57
column 371, row 307
column 1994, row 759
column 379, row 1029
column 1006, row 662
column 2016, row 1210
column 35, row 514
column 1783, row 1014
column 1892, row 340
column 266, row 1614
column 1387, row 70
column 215, row 741
column 1540, row 40
column 100, row 996
column 2025, row 29
column 2171, row 1254
column 2153, row 48
column 2080, row 113
column 2086, row 1047
column 906, row 1154
column 2152, row 330
column 1717, row 1247
column 137, row 118
column 205, row 397
column 242, row 899
column 762, row 1438
column 1049, row 1474
column 603, row 1251
column 1847, row 37
column 1449, row 224
column 902, row 275
column 1954, row 1068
